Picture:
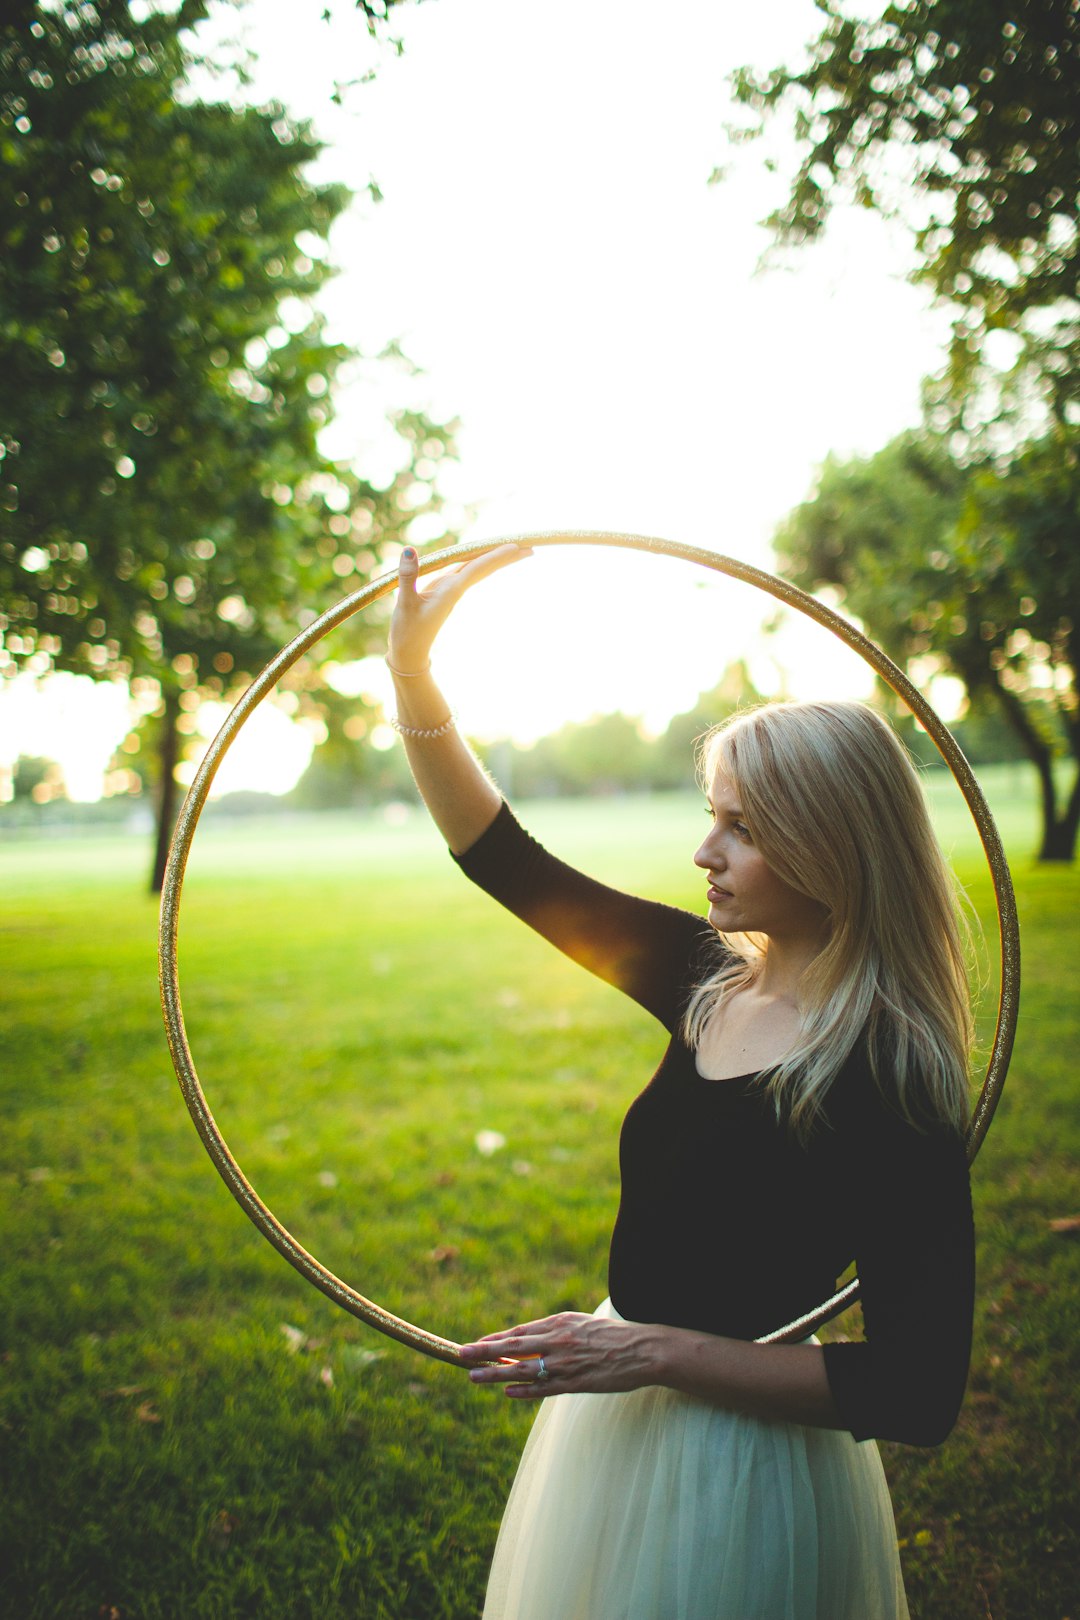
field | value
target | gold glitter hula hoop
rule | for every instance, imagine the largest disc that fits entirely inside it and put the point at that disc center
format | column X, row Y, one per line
column 340, row 1292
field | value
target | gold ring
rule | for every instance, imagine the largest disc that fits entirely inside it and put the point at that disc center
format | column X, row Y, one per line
column 334, row 1288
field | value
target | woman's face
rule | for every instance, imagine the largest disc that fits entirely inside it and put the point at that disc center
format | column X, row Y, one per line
column 745, row 894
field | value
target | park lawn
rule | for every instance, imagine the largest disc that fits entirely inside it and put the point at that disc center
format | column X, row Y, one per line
column 190, row 1430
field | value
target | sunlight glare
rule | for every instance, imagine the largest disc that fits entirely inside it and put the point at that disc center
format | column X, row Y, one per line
column 270, row 753
column 67, row 718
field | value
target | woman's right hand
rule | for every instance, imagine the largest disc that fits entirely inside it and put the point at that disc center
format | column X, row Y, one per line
column 419, row 615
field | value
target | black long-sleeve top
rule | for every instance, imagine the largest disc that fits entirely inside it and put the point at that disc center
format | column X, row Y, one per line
column 727, row 1223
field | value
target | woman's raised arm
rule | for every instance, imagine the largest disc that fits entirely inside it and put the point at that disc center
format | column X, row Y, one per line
column 461, row 799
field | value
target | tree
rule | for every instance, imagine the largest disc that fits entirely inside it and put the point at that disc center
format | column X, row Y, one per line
column 163, row 378
column 1019, row 534
column 36, row 778
column 963, row 116
column 606, row 754
column 973, row 569
column 676, row 749
column 342, row 773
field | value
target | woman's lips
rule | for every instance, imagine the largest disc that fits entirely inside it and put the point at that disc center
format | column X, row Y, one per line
column 718, row 894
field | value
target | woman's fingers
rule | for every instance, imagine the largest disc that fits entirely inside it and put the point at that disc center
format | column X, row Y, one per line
column 563, row 1354
column 492, row 561
column 411, row 630
column 522, row 1334
column 515, row 1332
column 511, row 1355
column 504, row 1349
column 408, row 570
column 457, row 580
column 420, row 613
column 563, row 1370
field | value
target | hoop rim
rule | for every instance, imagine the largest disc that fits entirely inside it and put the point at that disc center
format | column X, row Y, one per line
column 340, row 1292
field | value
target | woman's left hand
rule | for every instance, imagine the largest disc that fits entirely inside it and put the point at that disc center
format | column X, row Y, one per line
column 567, row 1354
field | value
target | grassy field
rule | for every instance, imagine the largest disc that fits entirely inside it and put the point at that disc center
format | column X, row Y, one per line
column 190, row 1430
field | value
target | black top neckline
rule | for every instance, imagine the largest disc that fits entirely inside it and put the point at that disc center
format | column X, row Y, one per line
column 727, row 1079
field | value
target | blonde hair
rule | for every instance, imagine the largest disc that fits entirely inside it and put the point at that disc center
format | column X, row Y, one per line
column 832, row 801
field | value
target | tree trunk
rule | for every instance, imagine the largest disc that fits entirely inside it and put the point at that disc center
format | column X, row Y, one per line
column 1059, row 836
column 168, row 754
column 1058, row 841
column 1048, row 805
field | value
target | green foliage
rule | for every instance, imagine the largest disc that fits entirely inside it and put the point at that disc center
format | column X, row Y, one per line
column 963, row 116
column 355, row 1008
column 878, row 531
column 345, row 770
column 975, row 569
column 983, row 733
column 607, row 754
column 734, row 690
column 166, row 497
column 163, row 377
column 32, row 776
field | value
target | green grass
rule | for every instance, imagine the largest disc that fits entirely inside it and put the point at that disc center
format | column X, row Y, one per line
column 358, row 1014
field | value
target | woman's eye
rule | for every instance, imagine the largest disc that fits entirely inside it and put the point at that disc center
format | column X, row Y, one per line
column 710, row 812
column 742, row 830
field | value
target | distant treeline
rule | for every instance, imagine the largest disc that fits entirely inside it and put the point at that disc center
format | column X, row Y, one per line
column 611, row 753
column 608, row 754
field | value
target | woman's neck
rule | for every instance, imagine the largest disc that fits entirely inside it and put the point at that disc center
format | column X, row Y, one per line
column 785, row 961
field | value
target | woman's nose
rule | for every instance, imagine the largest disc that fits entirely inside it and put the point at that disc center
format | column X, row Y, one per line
column 709, row 857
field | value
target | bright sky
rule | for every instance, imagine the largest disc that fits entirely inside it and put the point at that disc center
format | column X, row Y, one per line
column 549, row 252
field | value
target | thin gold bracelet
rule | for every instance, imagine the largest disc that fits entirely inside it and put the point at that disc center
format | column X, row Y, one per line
column 407, row 674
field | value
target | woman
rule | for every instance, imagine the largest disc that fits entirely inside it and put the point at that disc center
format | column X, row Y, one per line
column 809, row 1110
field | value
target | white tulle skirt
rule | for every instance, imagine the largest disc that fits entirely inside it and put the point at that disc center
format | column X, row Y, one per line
column 655, row 1506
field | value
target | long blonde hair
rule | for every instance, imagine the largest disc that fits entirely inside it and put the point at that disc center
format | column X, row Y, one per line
column 833, row 802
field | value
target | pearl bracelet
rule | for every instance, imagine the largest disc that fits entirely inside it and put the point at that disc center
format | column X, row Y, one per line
column 407, row 674
column 424, row 731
